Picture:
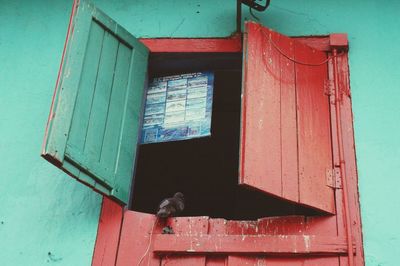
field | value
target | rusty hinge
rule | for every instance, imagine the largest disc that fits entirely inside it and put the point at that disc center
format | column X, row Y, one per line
column 333, row 178
column 329, row 87
column 329, row 90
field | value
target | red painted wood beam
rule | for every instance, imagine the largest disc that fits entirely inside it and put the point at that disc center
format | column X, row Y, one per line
column 251, row 244
column 339, row 41
column 326, row 43
column 209, row 45
column 110, row 222
column 343, row 173
column 320, row 43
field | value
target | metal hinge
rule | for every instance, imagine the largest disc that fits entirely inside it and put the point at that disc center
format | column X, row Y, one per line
column 333, row 178
column 329, row 90
column 329, row 87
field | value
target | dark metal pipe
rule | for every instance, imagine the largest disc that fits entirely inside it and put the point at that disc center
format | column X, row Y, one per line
column 238, row 16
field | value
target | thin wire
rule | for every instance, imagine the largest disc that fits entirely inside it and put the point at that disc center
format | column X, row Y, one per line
column 252, row 14
column 148, row 247
column 293, row 59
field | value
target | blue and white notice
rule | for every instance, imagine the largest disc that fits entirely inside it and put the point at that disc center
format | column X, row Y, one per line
column 178, row 107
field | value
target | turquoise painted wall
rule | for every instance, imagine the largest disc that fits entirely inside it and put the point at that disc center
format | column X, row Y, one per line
column 42, row 210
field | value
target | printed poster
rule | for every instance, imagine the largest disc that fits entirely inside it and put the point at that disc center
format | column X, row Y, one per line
column 178, row 107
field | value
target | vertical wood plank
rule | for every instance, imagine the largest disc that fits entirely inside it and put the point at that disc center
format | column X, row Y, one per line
column 217, row 227
column 82, row 108
column 332, row 102
column 314, row 138
column 216, row 261
column 342, row 86
column 290, row 185
column 106, row 247
column 137, row 229
column 187, row 226
column 183, row 261
column 283, row 261
column 113, row 125
column 260, row 147
column 129, row 135
column 350, row 158
column 340, row 224
column 101, row 98
column 61, row 116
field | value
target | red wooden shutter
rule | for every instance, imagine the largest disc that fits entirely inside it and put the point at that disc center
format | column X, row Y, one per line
column 95, row 117
column 285, row 146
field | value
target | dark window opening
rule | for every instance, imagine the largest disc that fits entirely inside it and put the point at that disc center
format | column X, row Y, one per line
column 204, row 169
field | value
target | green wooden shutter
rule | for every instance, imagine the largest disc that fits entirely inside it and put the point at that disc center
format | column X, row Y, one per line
column 94, row 122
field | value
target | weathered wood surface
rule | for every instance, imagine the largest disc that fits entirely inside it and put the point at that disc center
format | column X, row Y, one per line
column 291, row 245
column 206, row 241
column 286, row 147
column 110, row 222
column 94, row 124
column 209, row 45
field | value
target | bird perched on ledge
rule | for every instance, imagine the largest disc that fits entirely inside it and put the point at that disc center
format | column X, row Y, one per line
column 171, row 206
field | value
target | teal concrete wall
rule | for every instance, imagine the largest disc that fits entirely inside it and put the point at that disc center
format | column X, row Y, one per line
column 42, row 210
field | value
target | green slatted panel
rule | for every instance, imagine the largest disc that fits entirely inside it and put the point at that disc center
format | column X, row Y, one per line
column 94, row 130
column 84, row 98
column 101, row 98
column 115, row 110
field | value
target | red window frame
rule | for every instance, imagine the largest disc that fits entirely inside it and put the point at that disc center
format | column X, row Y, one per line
column 329, row 232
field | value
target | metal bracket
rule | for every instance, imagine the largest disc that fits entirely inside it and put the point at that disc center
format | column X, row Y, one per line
column 333, row 178
column 329, row 87
column 255, row 5
column 329, row 90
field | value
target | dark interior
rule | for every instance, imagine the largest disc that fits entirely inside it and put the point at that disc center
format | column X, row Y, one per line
column 205, row 170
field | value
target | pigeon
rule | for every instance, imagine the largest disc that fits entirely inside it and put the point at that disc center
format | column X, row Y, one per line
column 171, row 206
